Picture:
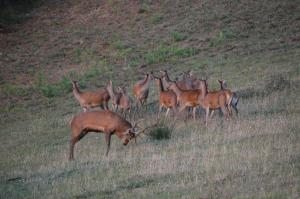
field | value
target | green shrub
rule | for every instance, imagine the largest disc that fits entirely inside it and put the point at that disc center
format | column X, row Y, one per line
column 176, row 36
column 13, row 90
column 65, row 84
column 223, row 36
column 156, row 19
column 92, row 72
column 50, row 90
column 160, row 133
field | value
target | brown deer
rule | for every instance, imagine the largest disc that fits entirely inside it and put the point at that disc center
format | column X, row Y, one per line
column 213, row 100
column 186, row 82
column 104, row 121
column 114, row 96
column 90, row 99
column 167, row 98
column 187, row 98
column 183, row 85
column 141, row 90
column 125, row 102
column 230, row 94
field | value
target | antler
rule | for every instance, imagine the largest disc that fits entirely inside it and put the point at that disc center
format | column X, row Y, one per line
column 144, row 129
column 136, row 123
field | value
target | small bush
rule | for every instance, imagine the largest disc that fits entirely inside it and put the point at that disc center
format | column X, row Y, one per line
column 50, row 90
column 176, row 36
column 13, row 90
column 156, row 19
column 92, row 72
column 223, row 36
column 65, row 84
column 118, row 44
column 160, row 133
column 46, row 89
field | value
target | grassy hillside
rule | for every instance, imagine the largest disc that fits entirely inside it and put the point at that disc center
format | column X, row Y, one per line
column 254, row 45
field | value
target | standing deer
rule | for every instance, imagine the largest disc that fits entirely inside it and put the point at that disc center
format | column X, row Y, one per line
column 213, row 100
column 187, row 98
column 89, row 99
column 183, row 85
column 125, row 102
column 115, row 96
column 104, row 121
column 141, row 90
column 167, row 98
column 230, row 94
column 186, row 82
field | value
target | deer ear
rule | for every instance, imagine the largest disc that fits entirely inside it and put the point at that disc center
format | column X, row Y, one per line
column 220, row 81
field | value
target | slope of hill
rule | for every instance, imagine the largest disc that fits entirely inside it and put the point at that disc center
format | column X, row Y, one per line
column 254, row 45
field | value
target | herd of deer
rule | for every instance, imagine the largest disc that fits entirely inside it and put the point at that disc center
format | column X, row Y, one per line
column 190, row 92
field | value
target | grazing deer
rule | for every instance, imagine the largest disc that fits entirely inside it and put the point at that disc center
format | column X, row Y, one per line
column 187, row 98
column 167, row 98
column 141, row 90
column 89, row 99
column 114, row 96
column 230, row 94
column 125, row 102
column 213, row 100
column 104, row 121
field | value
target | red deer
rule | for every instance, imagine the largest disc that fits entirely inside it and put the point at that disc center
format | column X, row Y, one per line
column 114, row 96
column 104, row 121
column 89, row 99
column 213, row 100
column 141, row 90
column 183, row 85
column 186, row 82
column 187, row 98
column 125, row 102
column 230, row 94
column 167, row 98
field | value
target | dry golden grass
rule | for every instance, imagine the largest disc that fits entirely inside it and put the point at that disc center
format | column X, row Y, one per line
column 253, row 156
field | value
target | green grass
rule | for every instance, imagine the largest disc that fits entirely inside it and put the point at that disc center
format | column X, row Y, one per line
column 165, row 53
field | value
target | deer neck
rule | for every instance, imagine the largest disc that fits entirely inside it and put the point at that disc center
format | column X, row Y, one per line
column 76, row 92
column 145, row 84
column 160, row 85
column 177, row 90
column 111, row 92
column 166, row 80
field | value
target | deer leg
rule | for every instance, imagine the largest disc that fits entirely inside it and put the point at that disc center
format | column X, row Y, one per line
column 235, row 109
column 229, row 109
column 159, row 111
column 174, row 109
column 73, row 142
column 102, row 106
column 108, row 139
column 145, row 104
column 212, row 113
column 225, row 111
column 85, row 109
column 194, row 113
column 207, row 116
column 167, row 112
